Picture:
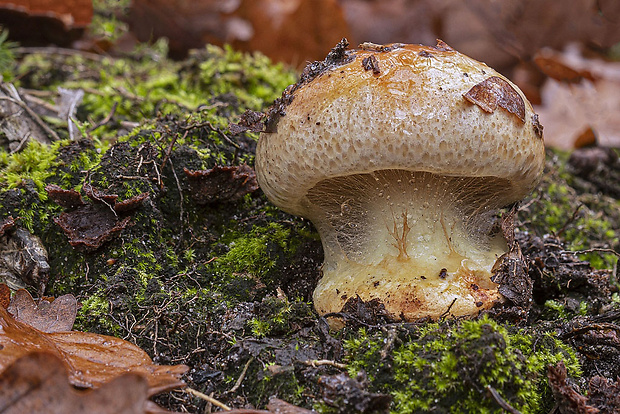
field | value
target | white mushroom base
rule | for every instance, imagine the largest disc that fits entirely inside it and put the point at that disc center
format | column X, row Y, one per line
column 422, row 244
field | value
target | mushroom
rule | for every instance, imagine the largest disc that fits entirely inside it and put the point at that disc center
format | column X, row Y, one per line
column 401, row 156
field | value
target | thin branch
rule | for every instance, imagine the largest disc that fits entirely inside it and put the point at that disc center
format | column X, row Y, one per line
column 501, row 402
column 318, row 362
column 59, row 51
column 242, row 376
column 207, row 398
column 597, row 250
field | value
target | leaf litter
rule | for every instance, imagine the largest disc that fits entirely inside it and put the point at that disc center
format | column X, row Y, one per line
column 87, row 360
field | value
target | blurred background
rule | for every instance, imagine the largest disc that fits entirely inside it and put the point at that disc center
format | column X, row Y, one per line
column 565, row 55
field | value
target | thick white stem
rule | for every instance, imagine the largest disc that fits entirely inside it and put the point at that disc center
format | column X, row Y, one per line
column 414, row 240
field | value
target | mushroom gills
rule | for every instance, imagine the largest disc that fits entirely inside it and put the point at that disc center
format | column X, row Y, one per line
column 410, row 236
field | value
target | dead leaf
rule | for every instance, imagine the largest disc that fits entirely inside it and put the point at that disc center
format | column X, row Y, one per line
column 551, row 64
column 521, row 27
column 41, row 22
column 37, row 383
column 56, row 315
column 495, row 91
column 293, row 31
column 92, row 359
column 23, row 258
column 570, row 401
column 5, row 296
column 572, row 111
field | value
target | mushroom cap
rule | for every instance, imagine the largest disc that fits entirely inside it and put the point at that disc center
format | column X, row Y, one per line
column 408, row 107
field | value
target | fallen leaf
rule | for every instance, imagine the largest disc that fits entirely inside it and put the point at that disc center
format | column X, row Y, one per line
column 92, row 359
column 23, row 258
column 552, row 65
column 572, row 111
column 37, row 383
column 522, row 27
column 570, row 401
column 41, row 22
column 493, row 92
column 57, row 315
column 5, row 296
column 293, row 31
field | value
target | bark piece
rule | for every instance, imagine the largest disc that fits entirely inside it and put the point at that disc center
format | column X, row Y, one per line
column 221, row 184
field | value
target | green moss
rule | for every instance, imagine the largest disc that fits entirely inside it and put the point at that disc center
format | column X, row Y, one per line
column 95, row 312
column 7, row 56
column 35, row 162
column 248, row 252
column 580, row 220
column 279, row 316
column 444, row 368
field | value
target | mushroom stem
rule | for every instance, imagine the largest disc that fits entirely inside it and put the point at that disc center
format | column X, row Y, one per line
column 393, row 231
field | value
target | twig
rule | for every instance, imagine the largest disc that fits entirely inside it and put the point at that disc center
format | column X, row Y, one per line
column 169, row 151
column 597, row 250
column 207, row 398
column 318, row 362
column 59, row 51
column 242, row 376
column 501, row 402
column 106, row 119
column 447, row 312
column 569, row 221
column 21, row 143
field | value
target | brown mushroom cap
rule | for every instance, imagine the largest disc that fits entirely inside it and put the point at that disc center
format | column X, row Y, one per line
column 412, row 115
column 401, row 155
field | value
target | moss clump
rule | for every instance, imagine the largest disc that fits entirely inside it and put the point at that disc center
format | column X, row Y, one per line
column 444, row 368
column 582, row 220
column 36, row 162
column 279, row 316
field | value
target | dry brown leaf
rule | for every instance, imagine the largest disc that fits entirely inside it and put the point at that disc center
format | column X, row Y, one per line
column 38, row 383
column 92, row 359
column 522, row 27
column 5, row 296
column 293, row 31
column 70, row 13
column 572, row 112
column 49, row 316
column 41, row 22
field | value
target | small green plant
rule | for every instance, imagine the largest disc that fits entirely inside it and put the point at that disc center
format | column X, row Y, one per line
column 7, row 56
